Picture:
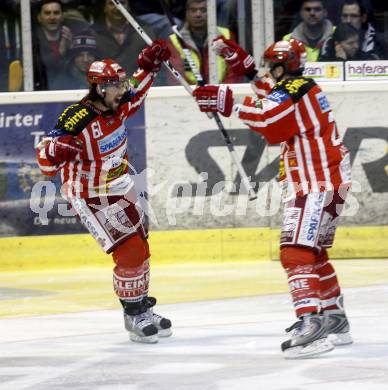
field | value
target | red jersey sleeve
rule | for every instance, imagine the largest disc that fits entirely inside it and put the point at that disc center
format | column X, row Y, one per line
column 141, row 81
column 273, row 117
column 45, row 166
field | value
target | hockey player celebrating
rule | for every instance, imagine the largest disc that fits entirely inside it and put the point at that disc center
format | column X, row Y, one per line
column 315, row 175
column 88, row 146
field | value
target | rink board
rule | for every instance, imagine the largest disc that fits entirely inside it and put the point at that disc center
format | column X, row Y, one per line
column 174, row 150
column 181, row 247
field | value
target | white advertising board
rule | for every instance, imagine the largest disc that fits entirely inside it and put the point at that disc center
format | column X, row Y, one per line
column 325, row 71
column 366, row 70
column 188, row 163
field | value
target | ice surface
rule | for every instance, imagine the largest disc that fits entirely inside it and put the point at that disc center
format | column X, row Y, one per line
column 225, row 344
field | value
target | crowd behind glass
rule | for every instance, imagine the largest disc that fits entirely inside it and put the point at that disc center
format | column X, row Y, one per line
column 67, row 35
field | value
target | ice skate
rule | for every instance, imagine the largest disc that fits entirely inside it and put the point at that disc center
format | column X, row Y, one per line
column 140, row 328
column 308, row 338
column 162, row 324
column 337, row 327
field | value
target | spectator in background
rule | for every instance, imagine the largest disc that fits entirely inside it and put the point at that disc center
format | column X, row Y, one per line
column 82, row 53
column 355, row 14
column 194, row 33
column 346, row 46
column 74, row 17
column 314, row 29
column 10, row 46
column 116, row 39
column 151, row 13
column 51, row 42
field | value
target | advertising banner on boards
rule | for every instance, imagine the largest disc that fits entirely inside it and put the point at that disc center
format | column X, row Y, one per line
column 196, row 184
column 21, row 128
column 181, row 158
column 366, row 70
column 325, row 71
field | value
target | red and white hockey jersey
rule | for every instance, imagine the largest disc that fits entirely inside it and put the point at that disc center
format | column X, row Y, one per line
column 102, row 167
column 297, row 114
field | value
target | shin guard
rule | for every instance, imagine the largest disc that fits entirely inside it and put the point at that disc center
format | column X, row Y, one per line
column 329, row 286
column 302, row 279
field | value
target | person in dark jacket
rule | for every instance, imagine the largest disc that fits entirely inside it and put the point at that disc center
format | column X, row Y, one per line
column 345, row 46
column 116, row 38
column 354, row 13
column 82, row 53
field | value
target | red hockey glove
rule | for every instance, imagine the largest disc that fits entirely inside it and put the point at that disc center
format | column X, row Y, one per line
column 63, row 148
column 151, row 57
column 214, row 98
column 235, row 56
column 263, row 85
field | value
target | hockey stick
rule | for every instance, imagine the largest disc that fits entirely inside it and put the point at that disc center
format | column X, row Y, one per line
column 185, row 84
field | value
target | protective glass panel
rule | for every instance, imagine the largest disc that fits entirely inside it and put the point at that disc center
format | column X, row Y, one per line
column 335, row 31
column 10, row 48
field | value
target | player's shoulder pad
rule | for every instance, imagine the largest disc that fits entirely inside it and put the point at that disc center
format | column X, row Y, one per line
column 75, row 118
column 278, row 95
column 296, row 87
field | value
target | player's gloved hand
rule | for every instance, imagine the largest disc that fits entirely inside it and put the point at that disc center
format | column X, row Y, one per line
column 235, row 56
column 214, row 98
column 263, row 85
column 63, row 148
column 151, row 57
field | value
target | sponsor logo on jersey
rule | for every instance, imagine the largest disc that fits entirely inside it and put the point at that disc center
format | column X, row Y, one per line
column 116, row 172
column 278, row 96
column 72, row 120
column 112, row 141
column 323, row 102
column 293, row 86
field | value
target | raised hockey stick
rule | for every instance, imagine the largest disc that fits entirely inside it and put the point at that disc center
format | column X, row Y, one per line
column 185, row 84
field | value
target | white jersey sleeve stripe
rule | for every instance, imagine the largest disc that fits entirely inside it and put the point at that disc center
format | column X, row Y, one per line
column 317, row 135
column 307, row 150
column 300, row 161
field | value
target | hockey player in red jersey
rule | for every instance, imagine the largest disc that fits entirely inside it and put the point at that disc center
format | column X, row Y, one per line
column 315, row 175
column 88, row 146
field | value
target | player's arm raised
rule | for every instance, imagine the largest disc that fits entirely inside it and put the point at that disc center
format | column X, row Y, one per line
column 150, row 60
column 243, row 64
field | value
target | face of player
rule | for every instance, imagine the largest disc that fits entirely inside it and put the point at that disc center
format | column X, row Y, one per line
column 51, row 16
column 313, row 13
column 83, row 60
column 350, row 46
column 114, row 93
column 351, row 14
column 196, row 15
column 113, row 14
column 275, row 72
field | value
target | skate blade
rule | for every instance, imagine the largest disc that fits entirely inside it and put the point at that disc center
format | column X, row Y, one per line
column 313, row 349
column 165, row 332
column 339, row 339
column 143, row 339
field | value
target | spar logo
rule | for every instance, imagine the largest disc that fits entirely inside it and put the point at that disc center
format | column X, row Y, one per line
column 315, row 217
column 112, row 141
